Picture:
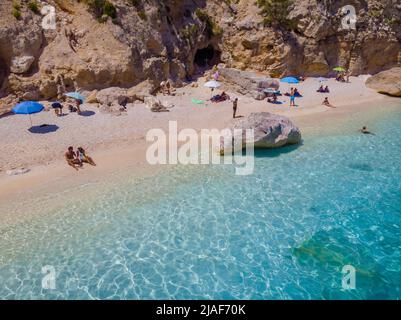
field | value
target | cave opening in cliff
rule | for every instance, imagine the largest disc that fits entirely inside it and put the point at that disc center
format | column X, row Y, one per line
column 207, row 57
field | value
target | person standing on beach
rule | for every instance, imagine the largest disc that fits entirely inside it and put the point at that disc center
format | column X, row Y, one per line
column 78, row 103
column 235, row 106
column 292, row 98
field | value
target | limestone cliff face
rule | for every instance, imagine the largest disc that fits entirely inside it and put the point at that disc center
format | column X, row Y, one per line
column 317, row 40
column 155, row 40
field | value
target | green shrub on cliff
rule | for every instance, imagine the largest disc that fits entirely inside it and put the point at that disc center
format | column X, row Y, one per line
column 136, row 3
column 275, row 12
column 16, row 14
column 102, row 7
column 16, row 11
column 109, row 10
column 142, row 15
column 211, row 27
column 33, row 6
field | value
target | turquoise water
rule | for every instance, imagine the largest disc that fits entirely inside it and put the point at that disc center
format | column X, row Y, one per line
column 284, row 232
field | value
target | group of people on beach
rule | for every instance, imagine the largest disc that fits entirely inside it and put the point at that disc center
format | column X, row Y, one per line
column 342, row 77
column 76, row 159
column 75, row 107
column 323, row 89
column 220, row 97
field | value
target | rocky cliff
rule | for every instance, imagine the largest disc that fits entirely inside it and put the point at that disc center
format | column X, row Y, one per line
column 120, row 43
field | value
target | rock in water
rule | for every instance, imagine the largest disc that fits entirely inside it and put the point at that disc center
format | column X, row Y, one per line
column 270, row 131
column 387, row 82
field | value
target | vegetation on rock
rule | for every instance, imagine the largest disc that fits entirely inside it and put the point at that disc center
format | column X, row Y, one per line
column 211, row 27
column 102, row 7
column 33, row 6
column 16, row 11
column 275, row 12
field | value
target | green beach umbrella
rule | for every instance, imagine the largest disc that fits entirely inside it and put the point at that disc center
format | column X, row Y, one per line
column 339, row 69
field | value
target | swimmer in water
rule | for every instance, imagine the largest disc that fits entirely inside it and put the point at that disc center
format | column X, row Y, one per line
column 365, row 130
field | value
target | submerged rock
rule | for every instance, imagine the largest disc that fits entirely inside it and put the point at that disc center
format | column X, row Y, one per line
column 387, row 82
column 270, row 131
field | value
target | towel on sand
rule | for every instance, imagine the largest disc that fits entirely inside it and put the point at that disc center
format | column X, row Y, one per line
column 197, row 101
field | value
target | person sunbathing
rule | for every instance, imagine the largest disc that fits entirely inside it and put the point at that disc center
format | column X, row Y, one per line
column 273, row 99
column 326, row 89
column 224, row 96
column 220, row 97
column 321, row 89
column 327, row 103
column 83, row 157
column 78, row 103
column 72, row 158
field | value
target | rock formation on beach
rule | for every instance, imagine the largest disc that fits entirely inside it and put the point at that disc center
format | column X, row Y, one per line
column 387, row 82
column 247, row 83
column 122, row 43
column 269, row 131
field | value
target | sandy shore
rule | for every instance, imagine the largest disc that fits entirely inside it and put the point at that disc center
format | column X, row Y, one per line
column 117, row 143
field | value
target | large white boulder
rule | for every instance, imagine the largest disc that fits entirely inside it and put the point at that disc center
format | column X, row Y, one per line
column 387, row 82
column 269, row 130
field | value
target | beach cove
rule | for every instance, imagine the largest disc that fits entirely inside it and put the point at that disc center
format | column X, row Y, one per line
column 118, row 143
column 124, row 229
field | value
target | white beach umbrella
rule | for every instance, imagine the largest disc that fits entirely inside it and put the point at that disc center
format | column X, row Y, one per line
column 212, row 84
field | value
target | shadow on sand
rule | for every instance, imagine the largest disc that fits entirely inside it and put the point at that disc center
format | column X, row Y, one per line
column 42, row 129
column 87, row 113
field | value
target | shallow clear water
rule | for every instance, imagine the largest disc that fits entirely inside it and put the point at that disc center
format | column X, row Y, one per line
column 284, row 232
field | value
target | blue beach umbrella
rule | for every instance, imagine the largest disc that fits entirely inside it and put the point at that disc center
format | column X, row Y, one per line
column 28, row 107
column 289, row 80
column 76, row 95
